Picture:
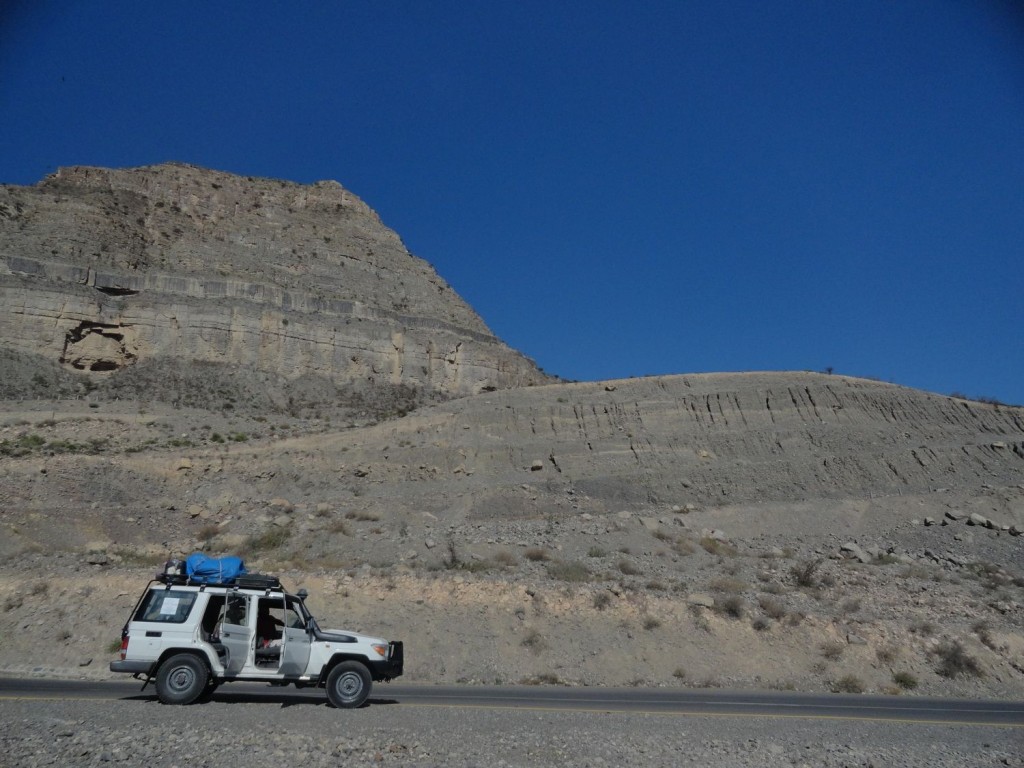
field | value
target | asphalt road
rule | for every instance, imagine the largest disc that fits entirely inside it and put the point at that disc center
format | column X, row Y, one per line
column 652, row 701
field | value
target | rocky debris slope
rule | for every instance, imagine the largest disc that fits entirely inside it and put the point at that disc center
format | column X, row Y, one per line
column 102, row 270
column 226, row 732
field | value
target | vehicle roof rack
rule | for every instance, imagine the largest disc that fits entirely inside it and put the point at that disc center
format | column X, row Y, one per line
column 243, row 581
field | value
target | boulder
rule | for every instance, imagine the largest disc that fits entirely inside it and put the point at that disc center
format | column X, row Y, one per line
column 852, row 549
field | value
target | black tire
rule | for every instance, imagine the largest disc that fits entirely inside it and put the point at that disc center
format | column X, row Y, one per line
column 207, row 693
column 182, row 679
column 348, row 685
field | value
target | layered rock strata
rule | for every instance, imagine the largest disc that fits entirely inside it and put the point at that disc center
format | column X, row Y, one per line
column 102, row 269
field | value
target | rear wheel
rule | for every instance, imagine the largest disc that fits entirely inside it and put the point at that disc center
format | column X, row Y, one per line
column 181, row 679
column 348, row 685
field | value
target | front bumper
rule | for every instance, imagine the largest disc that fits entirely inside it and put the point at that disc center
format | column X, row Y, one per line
column 392, row 667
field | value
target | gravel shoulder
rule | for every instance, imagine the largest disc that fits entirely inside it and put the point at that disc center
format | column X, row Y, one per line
column 43, row 733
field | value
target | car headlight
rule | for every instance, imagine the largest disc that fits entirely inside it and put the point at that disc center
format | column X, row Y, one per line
column 381, row 649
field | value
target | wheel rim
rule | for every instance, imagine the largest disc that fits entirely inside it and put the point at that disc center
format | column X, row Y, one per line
column 181, row 679
column 349, row 686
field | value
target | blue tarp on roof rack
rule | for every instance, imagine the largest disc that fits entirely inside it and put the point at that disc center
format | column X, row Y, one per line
column 203, row 569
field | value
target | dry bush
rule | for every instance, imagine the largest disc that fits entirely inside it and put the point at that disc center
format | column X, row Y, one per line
column 761, row 623
column 596, row 552
column 733, row 605
column 805, row 573
column 954, row 660
column 832, row 650
column 536, row 554
column 716, row 547
column 772, row 607
column 534, row 640
column 923, row 628
column 602, row 600
column 339, row 526
column 728, row 584
column 504, row 558
column 679, row 673
column 655, row 586
column 271, row 539
column 569, row 571
column 683, row 546
column 628, row 568
column 850, row 606
column 887, row 653
column 848, row 684
column 207, row 532
column 650, row 622
column 363, row 516
column 905, row 680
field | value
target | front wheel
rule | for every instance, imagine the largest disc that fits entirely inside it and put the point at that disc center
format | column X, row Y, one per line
column 182, row 679
column 348, row 685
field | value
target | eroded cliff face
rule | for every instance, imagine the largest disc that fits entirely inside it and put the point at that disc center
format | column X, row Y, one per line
column 103, row 269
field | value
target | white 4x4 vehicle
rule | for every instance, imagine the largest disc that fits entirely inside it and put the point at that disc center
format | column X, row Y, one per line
column 193, row 637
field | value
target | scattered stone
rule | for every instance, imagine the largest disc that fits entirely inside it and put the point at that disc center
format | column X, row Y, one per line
column 429, row 543
column 183, row 463
column 853, row 639
column 929, row 521
column 976, row 519
column 282, row 504
column 701, row 599
column 852, row 549
column 537, row 465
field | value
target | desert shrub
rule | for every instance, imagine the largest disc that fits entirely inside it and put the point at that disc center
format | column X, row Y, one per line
column 717, row 547
column 850, row 606
column 848, row 684
column 596, row 552
column 544, row 678
column 905, row 680
column 362, row 516
column 628, row 568
column 728, row 584
column 923, row 628
column 271, row 539
column 953, row 660
column 569, row 571
column 733, row 605
column 536, row 554
column 655, row 585
column 832, row 650
column 602, row 600
column 760, row 624
column 679, row 673
column 984, row 633
column 887, row 653
column 660, row 535
column 207, row 532
column 683, row 546
column 650, row 622
column 339, row 526
column 504, row 558
column 805, row 573
column 534, row 641
column 772, row 607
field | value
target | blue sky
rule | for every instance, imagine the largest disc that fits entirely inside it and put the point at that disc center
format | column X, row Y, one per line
column 619, row 189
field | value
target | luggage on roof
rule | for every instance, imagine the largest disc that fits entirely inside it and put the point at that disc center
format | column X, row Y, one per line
column 203, row 569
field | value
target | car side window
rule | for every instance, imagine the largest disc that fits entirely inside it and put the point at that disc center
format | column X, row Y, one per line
column 168, row 606
column 237, row 611
column 293, row 616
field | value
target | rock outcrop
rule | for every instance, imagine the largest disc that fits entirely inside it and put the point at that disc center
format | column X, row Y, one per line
column 102, row 270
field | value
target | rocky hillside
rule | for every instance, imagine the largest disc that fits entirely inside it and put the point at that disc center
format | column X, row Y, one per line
column 150, row 268
column 424, row 481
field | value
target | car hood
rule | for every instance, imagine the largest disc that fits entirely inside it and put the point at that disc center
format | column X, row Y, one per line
column 345, row 636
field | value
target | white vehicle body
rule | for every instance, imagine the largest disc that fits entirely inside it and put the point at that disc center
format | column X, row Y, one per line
column 191, row 638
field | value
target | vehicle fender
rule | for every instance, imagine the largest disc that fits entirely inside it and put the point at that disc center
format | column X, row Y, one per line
column 197, row 652
column 337, row 659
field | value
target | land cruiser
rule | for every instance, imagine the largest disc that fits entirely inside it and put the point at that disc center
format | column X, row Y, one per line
column 191, row 637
